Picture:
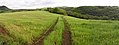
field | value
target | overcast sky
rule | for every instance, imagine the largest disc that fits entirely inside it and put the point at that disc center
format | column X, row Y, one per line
column 21, row 4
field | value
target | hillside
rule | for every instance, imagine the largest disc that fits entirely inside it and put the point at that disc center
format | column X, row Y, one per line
column 4, row 9
column 89, row 12
column 44, row 28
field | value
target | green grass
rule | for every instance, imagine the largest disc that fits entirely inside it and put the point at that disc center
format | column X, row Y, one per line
column 56, row 35
column 94, row 32
column 25, row 26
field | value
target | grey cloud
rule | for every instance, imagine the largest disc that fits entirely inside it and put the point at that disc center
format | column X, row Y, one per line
column 34, row 3
column 25, row 3
column 46, row 3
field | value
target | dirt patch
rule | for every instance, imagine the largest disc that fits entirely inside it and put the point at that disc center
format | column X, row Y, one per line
column 3, row 31
column 67, row 38
column 40, row 40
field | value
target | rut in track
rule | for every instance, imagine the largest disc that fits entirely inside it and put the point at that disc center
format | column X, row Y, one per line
column 3, row 31
column 67, row 39
column 40, row 40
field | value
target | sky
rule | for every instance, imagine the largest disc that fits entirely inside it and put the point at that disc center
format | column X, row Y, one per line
column 32, row 4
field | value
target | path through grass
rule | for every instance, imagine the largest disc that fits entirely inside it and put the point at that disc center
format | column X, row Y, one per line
column 25, row 26
column 55, row 38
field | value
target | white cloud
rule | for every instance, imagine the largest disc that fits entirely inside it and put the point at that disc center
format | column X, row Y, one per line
column 99, row 2
column 53, row 3
column 25, row 3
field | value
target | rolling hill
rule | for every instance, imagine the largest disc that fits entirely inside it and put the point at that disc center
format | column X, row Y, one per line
column 4, row 9
column 89, row 12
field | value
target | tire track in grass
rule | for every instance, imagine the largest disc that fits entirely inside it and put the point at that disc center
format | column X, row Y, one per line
column 40, row 40
column 4, row 32
column 55, row 37
column 67, row 38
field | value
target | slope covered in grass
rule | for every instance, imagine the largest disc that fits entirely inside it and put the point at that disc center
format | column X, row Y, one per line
column 23, row 27
column 94, row 32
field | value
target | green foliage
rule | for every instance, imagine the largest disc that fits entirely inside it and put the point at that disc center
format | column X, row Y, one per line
column 94, row 12
column 56, row 10
column 4, row 9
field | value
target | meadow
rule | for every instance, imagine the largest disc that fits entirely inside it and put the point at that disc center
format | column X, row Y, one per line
column 23, row 27
column 94, row 32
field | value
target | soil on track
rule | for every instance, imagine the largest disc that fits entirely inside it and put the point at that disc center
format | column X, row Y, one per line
column 40, row 40
column 3, row 31
column 67, row 39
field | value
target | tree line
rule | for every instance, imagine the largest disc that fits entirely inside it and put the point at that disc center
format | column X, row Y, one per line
column 88, row 12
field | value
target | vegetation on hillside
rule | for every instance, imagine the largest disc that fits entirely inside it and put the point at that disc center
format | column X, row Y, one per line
column 98, row 12
column 89, row 12
column 55, row 10
column 4, row 9
column 85, row 12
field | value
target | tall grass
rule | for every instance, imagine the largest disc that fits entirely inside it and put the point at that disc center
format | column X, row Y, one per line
column 94, row 32
column 25, row 26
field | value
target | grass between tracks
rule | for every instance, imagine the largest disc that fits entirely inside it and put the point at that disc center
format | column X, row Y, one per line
column 55, row 38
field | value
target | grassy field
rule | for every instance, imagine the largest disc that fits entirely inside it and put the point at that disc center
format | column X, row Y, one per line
column 94, row 32
column 25, row 26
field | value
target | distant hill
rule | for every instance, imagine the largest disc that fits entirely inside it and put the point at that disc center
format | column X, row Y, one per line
column 90, row 12
column 95, row 12
column 4, row 8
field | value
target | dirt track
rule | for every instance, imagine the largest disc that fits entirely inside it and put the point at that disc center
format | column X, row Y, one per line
column 40, row 40
column 3, row 31
column 67, row 38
